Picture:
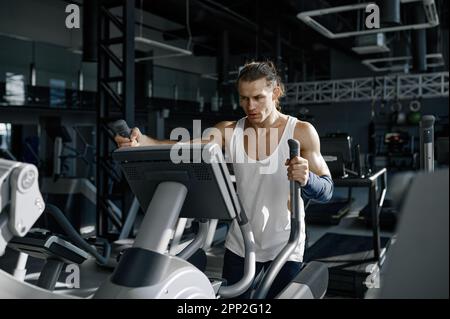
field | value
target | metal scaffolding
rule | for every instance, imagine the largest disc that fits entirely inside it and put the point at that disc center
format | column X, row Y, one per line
column 390, row 87
column 115, row 80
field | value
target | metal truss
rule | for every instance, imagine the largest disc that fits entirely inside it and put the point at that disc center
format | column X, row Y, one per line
column 408, row 86
column 115, row 70
column 399, row 63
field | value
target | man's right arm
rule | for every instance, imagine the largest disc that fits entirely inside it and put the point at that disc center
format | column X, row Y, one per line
column 138, row 139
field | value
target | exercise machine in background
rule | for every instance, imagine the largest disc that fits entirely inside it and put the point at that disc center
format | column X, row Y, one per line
column 418, row 262
column 21, row 204
column 76, row 195
column 337, row 151
column 389, row 212
column 353, row 261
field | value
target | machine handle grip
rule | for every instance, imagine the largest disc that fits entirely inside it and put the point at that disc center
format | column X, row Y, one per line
column 120, row 127
column 294, row 148
column 294, row 236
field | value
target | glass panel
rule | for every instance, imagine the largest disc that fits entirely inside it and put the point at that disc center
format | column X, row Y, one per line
column 15, row 88
column 57, row 93
column 5, row 141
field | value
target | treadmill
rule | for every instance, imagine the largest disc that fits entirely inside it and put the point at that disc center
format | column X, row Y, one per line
column 354, row 261
column 337, row 152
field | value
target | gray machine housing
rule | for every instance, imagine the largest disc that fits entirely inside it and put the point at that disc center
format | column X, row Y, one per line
column 144, row 174
column 190, row 190
column 199, row 186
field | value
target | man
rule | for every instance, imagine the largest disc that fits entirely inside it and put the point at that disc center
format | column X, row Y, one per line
column 256, row 142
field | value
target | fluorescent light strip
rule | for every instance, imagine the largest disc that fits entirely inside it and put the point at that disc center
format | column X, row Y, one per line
column 155, row 57
column 161, row 45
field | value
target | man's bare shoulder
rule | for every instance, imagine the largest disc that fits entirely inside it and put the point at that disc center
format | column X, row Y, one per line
column 225, row 124
column 306, row 134
column 304, row 128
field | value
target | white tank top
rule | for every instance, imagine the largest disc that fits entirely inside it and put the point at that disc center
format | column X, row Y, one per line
column 263, row 188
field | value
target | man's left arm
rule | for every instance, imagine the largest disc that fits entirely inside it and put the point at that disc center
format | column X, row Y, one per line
column 310, row 168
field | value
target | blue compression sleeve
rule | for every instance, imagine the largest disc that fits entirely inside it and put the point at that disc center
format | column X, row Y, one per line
column 318, row 188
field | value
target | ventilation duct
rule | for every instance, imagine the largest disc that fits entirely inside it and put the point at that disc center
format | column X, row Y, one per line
column 90, row 19
column 419, row 42
column 389, row 12
column 428, row 6
column 444, row 32
column 371, row 43
column 444, row 42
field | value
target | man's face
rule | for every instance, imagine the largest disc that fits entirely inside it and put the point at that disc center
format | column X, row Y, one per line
column 257, row 99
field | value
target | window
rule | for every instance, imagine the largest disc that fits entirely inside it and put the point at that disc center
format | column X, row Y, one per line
column 57, row 93
column 15, row 88
column 5, row 135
